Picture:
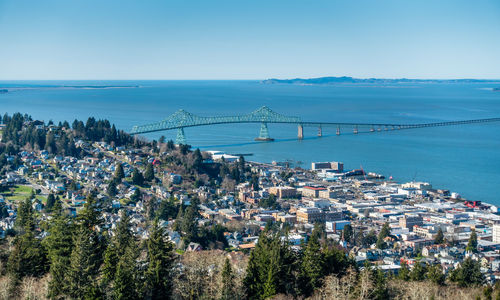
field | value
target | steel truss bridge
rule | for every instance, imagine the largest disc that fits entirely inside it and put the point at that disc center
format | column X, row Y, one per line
column 264, row 115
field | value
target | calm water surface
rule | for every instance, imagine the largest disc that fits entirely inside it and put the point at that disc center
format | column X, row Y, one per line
column 464, row 159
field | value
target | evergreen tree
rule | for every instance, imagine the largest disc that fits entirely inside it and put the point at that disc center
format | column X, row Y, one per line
column 228, row 292
column 149, row 174
column 369, row 239
column 160, row 260
column 380, row 292
column 347, row 233
column 418, row 272
column 170, row 145
column 472, row 244
column 50, row 202
column 136, row 196
column 59, row 245
column 312, row 264
column 197, row 160
column 335, row 260
column 137, row 178
column 241, row 163
column 25, row 217
column 468, row 273
column 435, row 274
column 84, row 265
column 125, row 278
column 121, row 242
column 270, row 268
column 254, row 182
column 404, row 272
column 384, row 232
column 28, row 258
column 189, row 222
column 439, row 239
column 86, row 256
column 119, row 173
column 112, row 191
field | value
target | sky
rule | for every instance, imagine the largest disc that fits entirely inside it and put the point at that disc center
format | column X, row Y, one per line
column 188, row 39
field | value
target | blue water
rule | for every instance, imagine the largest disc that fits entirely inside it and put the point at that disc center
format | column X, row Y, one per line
column 464, row 159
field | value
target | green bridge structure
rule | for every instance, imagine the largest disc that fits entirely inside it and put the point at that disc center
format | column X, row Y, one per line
column 264, row 115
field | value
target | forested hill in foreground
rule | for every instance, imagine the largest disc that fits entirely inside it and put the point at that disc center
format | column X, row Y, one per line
column 345, row 79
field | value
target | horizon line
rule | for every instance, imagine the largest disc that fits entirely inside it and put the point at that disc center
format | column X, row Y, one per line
column 249, row 79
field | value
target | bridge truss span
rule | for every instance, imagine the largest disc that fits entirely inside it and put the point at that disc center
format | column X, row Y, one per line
column 264, row 115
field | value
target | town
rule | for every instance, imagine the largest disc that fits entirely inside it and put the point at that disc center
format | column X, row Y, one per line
column 213, row 201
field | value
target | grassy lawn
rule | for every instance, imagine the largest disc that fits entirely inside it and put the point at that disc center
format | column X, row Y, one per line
column 19, row 192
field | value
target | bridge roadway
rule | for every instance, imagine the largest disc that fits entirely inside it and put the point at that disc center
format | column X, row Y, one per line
column 182, row 119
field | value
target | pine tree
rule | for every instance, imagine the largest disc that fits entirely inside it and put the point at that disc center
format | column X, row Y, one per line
column 197, row 160
column 160, row 260
column 384, row 232
column 418, row 272
column 404, row 272
column 472, row 244
column 121, row 242
column 311, row 265
column 137, row 178
column 86, row 256
column 125, row 277
column 170, row 145
column 149, row 174
column 435, row 274
column 189, row 223
column 347, row 233
column 228, row 292
column 241, row 163
column 381, row 292
column 439, row 239
column 59, row 245
column 28, row 258
column 50, row 202
column 85, row 261
column 270, row 268
column 25, row 217
column 119, row 173
column 468, row 273
column 112, row 189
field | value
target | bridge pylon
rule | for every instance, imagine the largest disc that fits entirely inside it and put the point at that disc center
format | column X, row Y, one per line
column 181, row 138
column 320, row 131
column 300, row 132
column 264, row 134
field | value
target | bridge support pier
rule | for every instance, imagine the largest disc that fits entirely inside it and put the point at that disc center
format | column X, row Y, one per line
column 320, row 131
column 372, row 129
column 356, row 129
column 300, row 131
column 264, row 134
column 181, row 138
column 338, row 130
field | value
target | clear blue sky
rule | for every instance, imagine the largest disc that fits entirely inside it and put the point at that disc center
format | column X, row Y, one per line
column 182, row 39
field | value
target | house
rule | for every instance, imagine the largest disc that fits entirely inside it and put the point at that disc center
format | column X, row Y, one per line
column 194, row 247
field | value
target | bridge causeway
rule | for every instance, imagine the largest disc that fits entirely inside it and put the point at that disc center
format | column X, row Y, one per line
column 264, row 115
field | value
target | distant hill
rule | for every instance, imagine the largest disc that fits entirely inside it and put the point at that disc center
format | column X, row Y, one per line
column 345, row 79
